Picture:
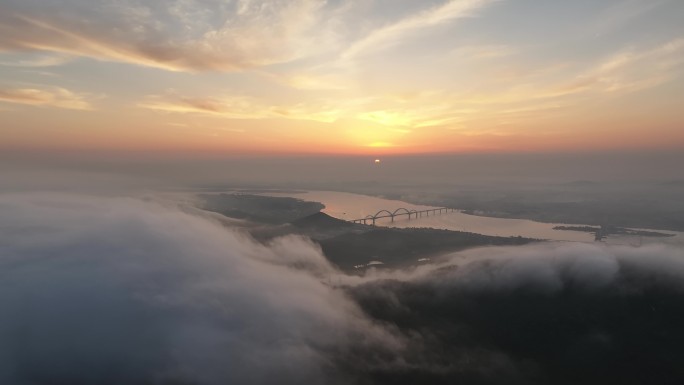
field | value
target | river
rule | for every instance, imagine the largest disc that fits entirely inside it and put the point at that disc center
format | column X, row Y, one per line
column 350, row 206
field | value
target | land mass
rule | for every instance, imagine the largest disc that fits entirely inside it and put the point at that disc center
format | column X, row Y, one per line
column 611, row 230
column 363, row 246
column 257, row 208
column 654, row 206
column 351, row 247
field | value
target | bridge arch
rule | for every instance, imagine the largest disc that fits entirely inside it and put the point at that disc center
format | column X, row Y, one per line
column 377, row 215
column 401, row 211
column 395, row 213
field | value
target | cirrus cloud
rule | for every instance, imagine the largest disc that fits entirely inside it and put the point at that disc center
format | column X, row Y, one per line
column 183, row 35
column 45, row 96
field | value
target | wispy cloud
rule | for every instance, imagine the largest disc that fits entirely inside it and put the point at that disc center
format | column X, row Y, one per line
column 309, row 81
column 618, row 15
column 395, row 33
column 430, row 111
column 484, row 51
column 628, row 71
column 529, row 99
column 38, row 61
column 48, row 97
column 181, row 35
column 241, row 107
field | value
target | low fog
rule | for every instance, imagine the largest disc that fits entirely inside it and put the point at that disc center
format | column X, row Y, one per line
column 625, row 189
column 104, row 171
column 127, row 291
column 119, row 291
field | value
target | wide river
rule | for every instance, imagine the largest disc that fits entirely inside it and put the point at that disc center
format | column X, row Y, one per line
column 349, row 206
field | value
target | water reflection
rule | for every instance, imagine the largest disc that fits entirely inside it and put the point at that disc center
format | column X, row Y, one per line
column 350, row 206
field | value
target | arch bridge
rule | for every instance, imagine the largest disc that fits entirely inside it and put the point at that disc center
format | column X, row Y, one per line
column 399, row 212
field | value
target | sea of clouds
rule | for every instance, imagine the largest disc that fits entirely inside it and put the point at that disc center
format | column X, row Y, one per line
column 114, row 290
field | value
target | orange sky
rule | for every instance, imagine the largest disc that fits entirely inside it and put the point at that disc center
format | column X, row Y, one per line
column 349, row 77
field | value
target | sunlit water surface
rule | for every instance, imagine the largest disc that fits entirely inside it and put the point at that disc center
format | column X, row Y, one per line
column 350, row 206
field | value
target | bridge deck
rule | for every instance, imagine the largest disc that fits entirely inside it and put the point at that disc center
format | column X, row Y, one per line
column 399, row 212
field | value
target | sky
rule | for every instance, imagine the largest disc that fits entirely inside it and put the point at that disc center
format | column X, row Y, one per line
column 369, row 77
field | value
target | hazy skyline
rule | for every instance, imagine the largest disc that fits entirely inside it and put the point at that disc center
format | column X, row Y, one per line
column 345, row 77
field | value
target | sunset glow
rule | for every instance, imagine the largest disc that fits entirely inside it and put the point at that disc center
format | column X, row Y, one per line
column 313, row 76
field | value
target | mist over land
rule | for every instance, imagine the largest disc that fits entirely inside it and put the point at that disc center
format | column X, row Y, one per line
column 112, row 290
column 143, row 283
column 641, row 189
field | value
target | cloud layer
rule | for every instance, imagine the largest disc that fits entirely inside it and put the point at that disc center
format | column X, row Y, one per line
column 115, row 290
column 123, row 291
column 551, row 313
column 178, row 35
column 45, row 96
column 392, row 34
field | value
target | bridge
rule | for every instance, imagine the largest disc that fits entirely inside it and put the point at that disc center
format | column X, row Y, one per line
column 399, row 212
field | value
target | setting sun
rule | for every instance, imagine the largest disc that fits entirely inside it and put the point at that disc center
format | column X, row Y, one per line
column 438, row 76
